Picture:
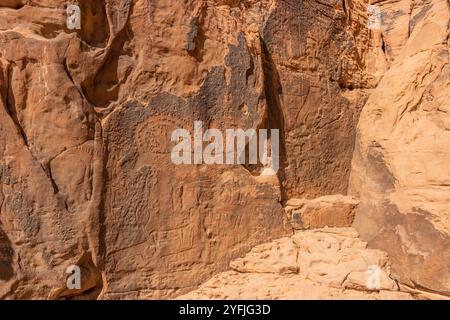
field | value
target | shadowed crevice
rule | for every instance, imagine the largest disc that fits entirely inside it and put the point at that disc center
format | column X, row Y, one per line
column 6, row 257
column 275, row 116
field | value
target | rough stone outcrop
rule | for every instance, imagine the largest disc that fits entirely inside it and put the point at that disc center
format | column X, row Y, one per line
column 85, row 132
column 317, row 62
column 327, row 211
column 400, row 168
column 330, row 263
column 86, row 118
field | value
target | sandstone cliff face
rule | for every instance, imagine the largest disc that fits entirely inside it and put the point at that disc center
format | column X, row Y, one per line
column 86, row 118
column 400, row 167
column 86, row 174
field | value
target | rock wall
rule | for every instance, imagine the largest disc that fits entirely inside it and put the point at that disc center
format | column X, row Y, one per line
column 400, row 167
column 87, row 115
column 317, row 65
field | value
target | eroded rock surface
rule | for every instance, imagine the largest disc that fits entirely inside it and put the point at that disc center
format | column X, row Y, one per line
column 86, row 118
column 327, row 211
column 85, row 132
column 330, row 263
column 400, row 168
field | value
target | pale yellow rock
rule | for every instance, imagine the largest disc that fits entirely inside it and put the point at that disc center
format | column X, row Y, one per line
column 400, row 168
column 330, row 263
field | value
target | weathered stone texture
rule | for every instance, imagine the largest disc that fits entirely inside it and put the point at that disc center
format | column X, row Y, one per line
column 86, row 118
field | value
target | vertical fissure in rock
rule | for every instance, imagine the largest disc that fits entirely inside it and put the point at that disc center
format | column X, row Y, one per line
column 275, row 117
column 104, row 88
column 11, row 108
